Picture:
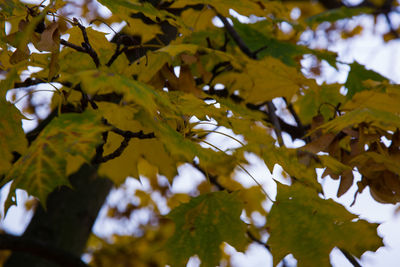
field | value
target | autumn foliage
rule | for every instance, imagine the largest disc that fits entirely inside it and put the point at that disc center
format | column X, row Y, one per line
column 151, row 98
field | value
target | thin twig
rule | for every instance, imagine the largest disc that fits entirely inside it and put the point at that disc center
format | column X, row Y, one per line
column 350, row 258
column 116, row 153
column 85, row 46
column 275, row 122
column 29, row 82
column 294, row 113
column 128, row 135
column 73, row 46
column 238, row 40
column 116, row 54
column 255, row 239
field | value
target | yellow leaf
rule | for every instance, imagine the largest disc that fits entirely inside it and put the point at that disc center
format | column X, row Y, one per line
column 245, row 7
column 127, row 164
column 253, row 199
column 388, row 101
column 265, row 79
column 97, row 40
column 198, row 20
column 139, row 28
column 177, row 199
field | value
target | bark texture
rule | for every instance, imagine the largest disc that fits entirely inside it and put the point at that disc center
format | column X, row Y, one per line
column 68, row 220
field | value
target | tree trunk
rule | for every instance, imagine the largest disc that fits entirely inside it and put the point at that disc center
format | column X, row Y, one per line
column 68, row 220
column 71, row 212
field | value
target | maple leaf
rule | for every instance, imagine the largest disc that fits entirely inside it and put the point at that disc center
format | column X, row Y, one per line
column 43, row 167
column 202, row 225
column 373, row 117
column 358, row 73
column 191, row 71
column 303, row 224
column 12, row 137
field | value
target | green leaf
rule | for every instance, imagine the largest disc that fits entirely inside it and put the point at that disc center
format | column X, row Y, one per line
column 260, row 36
column 357, row 75
column 43, row 167
column 202, row 225
column 12, row 137
column 256, row 37
column 303, row 224
column 337, row 14
column 322, row 100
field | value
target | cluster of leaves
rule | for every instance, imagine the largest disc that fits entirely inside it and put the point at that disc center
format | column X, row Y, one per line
column 121, row 105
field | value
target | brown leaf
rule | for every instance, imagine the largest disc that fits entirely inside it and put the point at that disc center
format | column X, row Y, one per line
column 186, row 81
column 315, row 123
column 320, row 143
column 392, row 181
column 330, row 173
column 383, row 194
column 20, row 55
column 169, row 76
column 50, row 38
column 345, row 182
column 188, row 59
column 22, row 24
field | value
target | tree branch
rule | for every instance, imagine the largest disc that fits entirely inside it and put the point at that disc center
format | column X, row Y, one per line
column 35, row 247
column 271, row 108
column 238, row 40
column 275, row 122
column 73, row 46
column 85, row 46
column 128, row 135
column 116, row 54
column 28, row 82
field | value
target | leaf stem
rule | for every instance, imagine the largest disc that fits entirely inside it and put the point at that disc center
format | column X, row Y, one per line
column 221, row 133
